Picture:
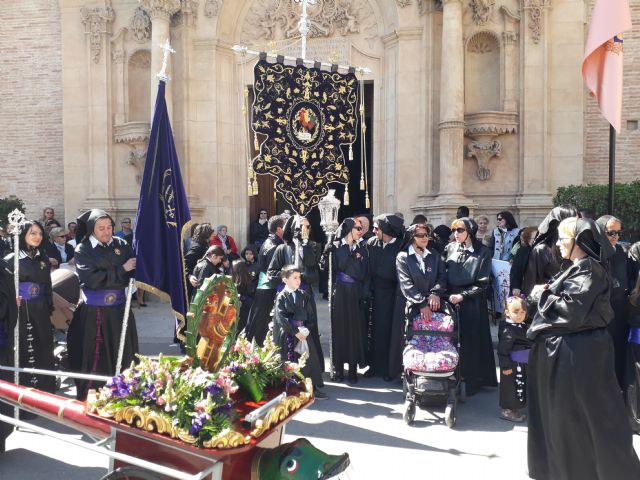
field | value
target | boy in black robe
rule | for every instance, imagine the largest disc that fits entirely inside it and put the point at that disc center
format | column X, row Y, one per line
column 105, row 264
column 294, row 318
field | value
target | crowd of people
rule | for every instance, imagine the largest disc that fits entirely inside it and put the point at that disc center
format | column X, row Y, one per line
column 569, row 341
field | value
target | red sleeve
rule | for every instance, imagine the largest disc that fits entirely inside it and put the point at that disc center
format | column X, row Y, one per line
column 232, row 244
column 215, row 241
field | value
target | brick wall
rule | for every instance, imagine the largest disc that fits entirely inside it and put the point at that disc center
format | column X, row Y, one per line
column 597, row 129
column 31, row 105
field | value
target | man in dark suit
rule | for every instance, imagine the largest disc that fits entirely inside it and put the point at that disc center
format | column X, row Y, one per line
column 57, row 249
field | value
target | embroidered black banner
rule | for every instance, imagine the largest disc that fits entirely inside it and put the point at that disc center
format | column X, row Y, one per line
column 309, row 116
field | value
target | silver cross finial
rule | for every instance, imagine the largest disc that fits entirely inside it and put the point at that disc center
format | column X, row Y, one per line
column 162, row 75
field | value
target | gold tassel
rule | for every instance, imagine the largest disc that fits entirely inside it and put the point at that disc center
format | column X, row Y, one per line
column 256, row 144
column 351, row 152
column 255, row 185
column 346, row 197
column 249, row 189
column 362, row 181
column 367, row 203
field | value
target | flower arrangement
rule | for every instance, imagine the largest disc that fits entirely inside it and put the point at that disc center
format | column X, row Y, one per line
column 254, row 367
column 191, row 399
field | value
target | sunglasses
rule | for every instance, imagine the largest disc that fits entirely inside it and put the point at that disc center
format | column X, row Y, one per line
column 500, row 219
column 614, row 233
column 60, row 236
column 358, row 228
column 460, row 230
column 420, row 235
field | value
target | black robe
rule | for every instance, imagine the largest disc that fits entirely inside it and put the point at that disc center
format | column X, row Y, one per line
column 618, row 328
column 204, row 269
column 8, row 319
column 195, row 252
column 469, row 275
column 632, row 387
column 348, row 326
column 36, row 334
column 285, row 255
column 386, row 329
column 578, row 428
column 518, row 268
column 100, row 268
column 262, row 306
column 512, row 337
column 415, row 287
column 301, row 309
column 247, row 293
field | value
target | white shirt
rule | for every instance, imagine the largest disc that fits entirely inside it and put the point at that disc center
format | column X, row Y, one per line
column 384, row 244
column 63, row 252
column 420, row 258
column 95, row 242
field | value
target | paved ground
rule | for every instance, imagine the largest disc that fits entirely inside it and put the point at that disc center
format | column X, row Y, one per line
column 364, row 420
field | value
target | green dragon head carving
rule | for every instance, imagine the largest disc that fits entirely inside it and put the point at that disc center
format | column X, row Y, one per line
column 297, row 460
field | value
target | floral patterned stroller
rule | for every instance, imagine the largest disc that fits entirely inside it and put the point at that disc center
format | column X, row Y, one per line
column 431, row 364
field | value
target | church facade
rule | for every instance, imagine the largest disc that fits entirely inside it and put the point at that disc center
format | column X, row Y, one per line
column 473, row 102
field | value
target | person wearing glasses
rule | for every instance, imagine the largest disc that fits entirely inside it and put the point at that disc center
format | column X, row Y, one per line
column 57, row 249
column 468, row 276
column 259, row 229
column 387, row 328
column 127, row 230
column 578, row 427
column 621, row 284
column 350, row 267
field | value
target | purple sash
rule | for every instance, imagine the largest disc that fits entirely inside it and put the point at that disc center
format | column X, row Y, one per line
column 634, row 335
column 520, row 356
column 344, row 278
column 31, row 291
column 103, row 298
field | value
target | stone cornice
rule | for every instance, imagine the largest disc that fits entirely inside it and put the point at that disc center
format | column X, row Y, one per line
column 132, row 133
column 161, row 8
column 490, row 123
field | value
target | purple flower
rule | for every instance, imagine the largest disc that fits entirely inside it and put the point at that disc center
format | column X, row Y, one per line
column 225, row 409
column 196, row 424
column 213, row 389
column 149, row 393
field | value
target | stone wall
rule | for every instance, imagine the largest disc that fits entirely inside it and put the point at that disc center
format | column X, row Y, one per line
column 31, row 113
column 597, row 128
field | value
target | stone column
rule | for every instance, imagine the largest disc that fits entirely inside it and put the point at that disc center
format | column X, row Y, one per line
column 160, row 12
column 452, row 103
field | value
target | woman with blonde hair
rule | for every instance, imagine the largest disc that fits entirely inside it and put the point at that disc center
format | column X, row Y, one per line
column 578, row 427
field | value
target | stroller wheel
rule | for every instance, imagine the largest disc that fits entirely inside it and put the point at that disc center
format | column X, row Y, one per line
column 450, row 415
column 462, row 391
column 405, row 388
column 409, row 412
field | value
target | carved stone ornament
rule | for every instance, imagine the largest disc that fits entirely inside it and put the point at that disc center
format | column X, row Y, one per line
column 97, row 23
column 403, row 3
column 483, row 42
column 136, row 159
column 187, row 15
column 482, row 10
column 211, row 8
column 140, row 25
column 536, row 17
column 484, row 151
column 161, row 8
column 278, row 19
column 117, row 56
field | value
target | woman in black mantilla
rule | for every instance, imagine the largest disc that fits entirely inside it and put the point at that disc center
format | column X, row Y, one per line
column 578, row 428
column 105, row 264
column 621, row 284
column 350, row 264
column 468, row 276
column 36, row 335
column 544, row 260
column 8, row 318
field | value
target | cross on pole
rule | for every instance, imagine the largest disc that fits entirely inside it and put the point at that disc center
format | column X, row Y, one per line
column 162, row 75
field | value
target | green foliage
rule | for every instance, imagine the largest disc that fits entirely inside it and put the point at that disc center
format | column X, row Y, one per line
column 8, row 205
column 626, row 207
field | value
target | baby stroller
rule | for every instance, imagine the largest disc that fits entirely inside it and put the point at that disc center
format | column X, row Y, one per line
column 431, row 367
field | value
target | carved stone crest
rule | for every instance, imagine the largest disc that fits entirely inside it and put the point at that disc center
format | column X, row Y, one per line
column 211, row 8
column 136, row 159
column 483, row 151
column 482, row 10
column 536, row 16
column 278, row 19
column 140, row 25
column 97, row 23
column 403, row 3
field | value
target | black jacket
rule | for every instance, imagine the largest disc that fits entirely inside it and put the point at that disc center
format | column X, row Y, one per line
column 417, row 286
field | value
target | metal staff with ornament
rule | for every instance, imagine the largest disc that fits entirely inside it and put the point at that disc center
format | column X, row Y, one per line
column 328, row 207
column 16, row 220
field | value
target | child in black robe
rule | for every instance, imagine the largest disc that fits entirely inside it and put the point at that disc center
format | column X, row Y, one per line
column 513, row 354
column 294, row 318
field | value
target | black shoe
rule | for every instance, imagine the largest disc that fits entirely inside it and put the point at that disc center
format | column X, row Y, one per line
column 369, row 373
column 143, row 304
column 319, row 394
